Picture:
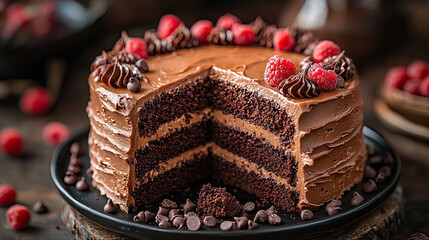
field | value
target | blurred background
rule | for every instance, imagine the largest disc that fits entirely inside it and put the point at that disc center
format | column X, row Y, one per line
column 52, row 44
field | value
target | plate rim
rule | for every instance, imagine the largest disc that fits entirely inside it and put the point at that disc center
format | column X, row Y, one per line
column 317, row 226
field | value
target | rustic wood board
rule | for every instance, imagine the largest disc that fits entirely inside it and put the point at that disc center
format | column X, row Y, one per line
column 382, row 223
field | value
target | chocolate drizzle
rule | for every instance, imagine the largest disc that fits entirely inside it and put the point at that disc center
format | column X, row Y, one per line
column 117, row 67
column 341, row 64
column 299, row 86
column 220, row 36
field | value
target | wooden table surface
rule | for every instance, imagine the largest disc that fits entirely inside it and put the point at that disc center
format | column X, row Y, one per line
column 30, row 174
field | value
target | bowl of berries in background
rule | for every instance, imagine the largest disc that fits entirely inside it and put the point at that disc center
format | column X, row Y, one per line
column 33, row 31
column 404, row 99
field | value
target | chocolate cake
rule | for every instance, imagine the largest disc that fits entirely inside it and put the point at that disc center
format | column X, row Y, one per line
column 216, row 201
column 206, row 110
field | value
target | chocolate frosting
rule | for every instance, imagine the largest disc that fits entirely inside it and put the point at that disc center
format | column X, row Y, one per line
column 341, row 65
column 299, row 86
column 156, row 45
column 306, row 43
column 220, row 36
column 182, row 38
column 118, row 75
column 264, row 33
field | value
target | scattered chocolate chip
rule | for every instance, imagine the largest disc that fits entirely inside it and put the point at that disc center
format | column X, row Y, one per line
column 370, row 172
column 241, row 222
column 179, row 222
column 162, row 211
column 165, row 224
column 110, row 207
column 252, row 225
column 57, row 227
column 190, row 214
column 159, row 218
column 227, row 226
column 90, row 172
column 418, row 236
column 249, row 207
column 306, row 215
column 76, row 170
column 134, row 85
column 370, row 150
column 140, row 217
column 380, row 178
column 70, row 178
column 274, row 219
column 370, row 186
column 76, row 148
column 149, row 216
column 261, row 216
column 174, row 213
column 357, row 199
column 386, row 170
column 189, row 206
column 209, row 221
column 333, row 207
column 388, row 159
column 167, row 203
column 75, row 161
column 193, row 223
column 40, row 207
column 142, row 65
column 82, row 185
column 271, row 210
column 374, row 160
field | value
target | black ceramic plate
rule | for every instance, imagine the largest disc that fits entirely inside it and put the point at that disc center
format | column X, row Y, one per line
column 90, row 204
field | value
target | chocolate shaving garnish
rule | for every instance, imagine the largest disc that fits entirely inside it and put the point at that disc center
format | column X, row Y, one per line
column 341, row 65
column 156, row 45
column 220, row 36
column 182, row 38
column 306, row 42
column 299, row 86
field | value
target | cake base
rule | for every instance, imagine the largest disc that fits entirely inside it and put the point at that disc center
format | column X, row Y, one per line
column 382, row 223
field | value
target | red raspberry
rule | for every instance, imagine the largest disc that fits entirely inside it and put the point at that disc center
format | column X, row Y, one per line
column 137, row 47
column 326, row 79
column 417, row 70
column 11, row 141
column 17, row 17
column 41, row 27
column 396, row 77
column 278, row 69
column 46, row 9
column 54, row 133
column 201, row 30
column 412, row 86
column 243, row 34
column 167, row 25
column 7, row 195
column 424, row 87
column 18, row 216
column 36, row 100
column 325, row 49
column 283, row 40
column 227, row 20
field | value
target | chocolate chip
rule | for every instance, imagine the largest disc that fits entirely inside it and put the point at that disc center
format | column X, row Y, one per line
column 193, row 223
column 150, row 216
column 134, row 85
column 90, row 172
column 110, row 207
column 174, row 213
column 252, row 225
column 76, row 148
column 165, row 224
column 142, row 65
column 333, row 207
column 271, row 210
column 227, row 226
column 162, row 211
column 190, row 214
column 241, row 222
column 380, row 178
column 370, row 172
column 388, row 159
column 357, row 199
column 274, row 219
column 261, row 216
column 374, row 160
column 189, row 206
column 370, row 186
column 167, row 203
column 209, row 221
column 386, row 170
column 140, row 217
column 70, row 178
column 249, row 207
column 40, row 207
column 74, row 169
column 179, row 222
column 75, row 161
column 159, row 218
column 370, row 150
column 82, row 185
column 306, row 215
